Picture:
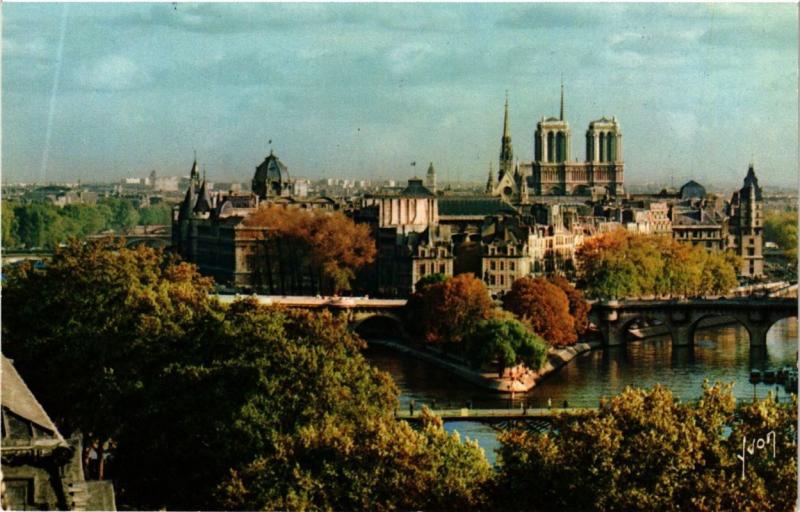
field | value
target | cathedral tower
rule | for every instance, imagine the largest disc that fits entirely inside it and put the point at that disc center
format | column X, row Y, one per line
column 552, row 142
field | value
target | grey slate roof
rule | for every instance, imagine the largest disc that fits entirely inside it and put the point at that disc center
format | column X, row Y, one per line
column 17, row 398
column 473, row 206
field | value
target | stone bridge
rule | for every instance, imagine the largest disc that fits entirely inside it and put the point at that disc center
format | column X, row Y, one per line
column 360, row 311
column 157, row 237
column 682, row 317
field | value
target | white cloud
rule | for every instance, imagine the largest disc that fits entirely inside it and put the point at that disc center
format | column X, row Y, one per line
column 33, row 48
column 408, row 56
column 112, row 72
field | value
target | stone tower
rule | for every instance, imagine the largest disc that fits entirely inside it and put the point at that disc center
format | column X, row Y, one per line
column 552, row 142
column 746, row 225
column 430, row 179
column 604, row 141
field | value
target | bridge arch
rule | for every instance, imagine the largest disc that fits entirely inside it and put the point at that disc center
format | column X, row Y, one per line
column 732, row 318
column 381, row 323
column 651, row 317
column 155, row 243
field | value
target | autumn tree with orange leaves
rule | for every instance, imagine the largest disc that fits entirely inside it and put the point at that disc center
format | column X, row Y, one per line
column 544, row 307
column 309, row 251
column 448, row 311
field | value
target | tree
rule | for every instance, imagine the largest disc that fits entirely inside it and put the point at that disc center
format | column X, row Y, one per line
column 544, row 307
column 124, row 215
column 505, row 343
column 38, row 225
column 215, row 407
column 97, row 321
column 781, row 229
column 447, row 311
column 9, row 238
column 621, row 264
column 88, row 219
column 314, row 249
column 578, row 307
column 155, row 215
column 643, row 450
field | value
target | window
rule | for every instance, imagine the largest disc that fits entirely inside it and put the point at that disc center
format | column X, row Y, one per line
column 510, row 265
column 441, row 269
column 501, row 280
column 491, row 265
column 501, row 264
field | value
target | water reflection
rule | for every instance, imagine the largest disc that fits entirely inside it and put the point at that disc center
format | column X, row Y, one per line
column 720, row 353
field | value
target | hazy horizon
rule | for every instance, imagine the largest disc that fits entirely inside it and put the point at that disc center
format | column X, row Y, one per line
column 359, row 91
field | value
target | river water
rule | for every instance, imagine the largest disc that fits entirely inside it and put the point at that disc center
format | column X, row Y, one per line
column 719, row 354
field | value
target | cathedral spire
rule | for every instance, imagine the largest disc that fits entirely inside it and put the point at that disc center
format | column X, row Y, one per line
column 561, row 115
column 506, row 151
column 505, row 120
column 490, row 180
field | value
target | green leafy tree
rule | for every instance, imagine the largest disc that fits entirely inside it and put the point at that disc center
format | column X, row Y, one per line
column 38, row 225
column 781, row 229
column 505, row 343
column 643, row 450
column 158, row 214
column 88, row 219
column 622, row 264
column 124, row 215
column 9, row 225
column 221, row 407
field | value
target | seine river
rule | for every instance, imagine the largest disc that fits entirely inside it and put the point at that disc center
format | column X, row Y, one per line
column 719, row 354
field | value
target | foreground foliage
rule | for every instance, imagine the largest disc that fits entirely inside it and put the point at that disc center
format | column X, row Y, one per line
column 243, row 407
column 644, row 451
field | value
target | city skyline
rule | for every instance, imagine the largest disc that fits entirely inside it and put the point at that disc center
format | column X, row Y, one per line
column 361, row 91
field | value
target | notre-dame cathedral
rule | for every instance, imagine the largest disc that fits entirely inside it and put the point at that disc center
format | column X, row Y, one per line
column 552, row 171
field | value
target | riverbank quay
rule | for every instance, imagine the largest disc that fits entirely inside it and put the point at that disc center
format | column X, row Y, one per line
column 514, row 380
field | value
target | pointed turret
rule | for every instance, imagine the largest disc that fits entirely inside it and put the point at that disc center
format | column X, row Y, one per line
column 506, row 150
column 490, row 180
column 203, row 203
column 188, row 203
column 430, row 178
column 561, row 112
column 194, row 174
column 751, row 182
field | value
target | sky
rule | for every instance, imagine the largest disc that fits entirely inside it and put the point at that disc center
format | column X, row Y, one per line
column 100, row 92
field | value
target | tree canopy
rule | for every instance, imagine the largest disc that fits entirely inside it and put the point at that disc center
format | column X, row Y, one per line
column 446, row 311
column 621, row 264
column 310, row 250
column 544, row 307
column 244, row 407
column 645, row 451
column 44, row 225
column 781, row 229
column 505, row 343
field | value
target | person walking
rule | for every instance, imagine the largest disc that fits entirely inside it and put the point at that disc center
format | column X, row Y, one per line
column 549, row 403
